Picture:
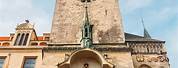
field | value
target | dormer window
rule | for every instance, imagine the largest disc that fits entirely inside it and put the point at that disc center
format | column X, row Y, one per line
column 22, row 36
column 21, row 39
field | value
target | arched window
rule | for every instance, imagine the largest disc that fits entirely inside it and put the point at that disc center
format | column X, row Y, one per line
column 21, row 39
column 17, row 39
column 43, row 43
column 144, row 66
column 26, row 39
column 34, row 44
column 6, row 44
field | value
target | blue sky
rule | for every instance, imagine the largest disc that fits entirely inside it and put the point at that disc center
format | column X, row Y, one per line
column 160, row 17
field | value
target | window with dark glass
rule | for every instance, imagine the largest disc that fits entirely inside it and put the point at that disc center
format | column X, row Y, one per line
column 29, row 63
column 86, row 32
column 21, row 40
column 26, row 39
column 2, row 62
column 17, row 39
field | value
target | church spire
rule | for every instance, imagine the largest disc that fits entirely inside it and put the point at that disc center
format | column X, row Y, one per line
column 86, row 16
column 146, row 34
column 87, row 29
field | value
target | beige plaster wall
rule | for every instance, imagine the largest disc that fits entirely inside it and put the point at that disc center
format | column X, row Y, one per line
column 15, row 57
column 51, row 59
column 121, row 59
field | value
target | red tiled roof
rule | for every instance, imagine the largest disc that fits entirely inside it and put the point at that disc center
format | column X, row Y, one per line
column 8, row 38
column 4, row 38
column 40, row 37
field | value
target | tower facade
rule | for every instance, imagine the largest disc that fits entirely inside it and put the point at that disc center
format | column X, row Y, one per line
column 104, row 16
column 84, row 34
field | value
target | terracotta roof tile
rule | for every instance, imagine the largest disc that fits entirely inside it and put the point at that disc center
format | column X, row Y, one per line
column 4, row 38
column 40, row 37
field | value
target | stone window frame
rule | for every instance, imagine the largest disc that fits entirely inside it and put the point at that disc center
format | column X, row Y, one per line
column 29, row 57
column 4, row 62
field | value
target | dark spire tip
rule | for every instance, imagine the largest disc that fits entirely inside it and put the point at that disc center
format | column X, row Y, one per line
column 27, row 21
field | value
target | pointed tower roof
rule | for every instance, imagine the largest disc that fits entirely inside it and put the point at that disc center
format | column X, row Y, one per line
column 87, row 30
column 86, row 15
column 146, row 34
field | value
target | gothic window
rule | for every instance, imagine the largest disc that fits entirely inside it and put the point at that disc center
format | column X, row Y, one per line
column 17, row 39
column 29, row 63
column 86, row 32
column 144, row 66
column 26, row 39
column 21, row 39
column 2, row 59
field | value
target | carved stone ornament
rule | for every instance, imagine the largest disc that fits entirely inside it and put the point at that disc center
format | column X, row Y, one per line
column 105, row 56
column 163, row 59
column 149, row 59
column 67, row 56
column 154, row 59
column 140, row 58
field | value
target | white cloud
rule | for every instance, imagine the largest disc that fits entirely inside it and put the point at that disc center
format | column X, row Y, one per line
column 16, row 11
column 131, row 5
column 172, row 45
column 172, row 38
column 160, row 17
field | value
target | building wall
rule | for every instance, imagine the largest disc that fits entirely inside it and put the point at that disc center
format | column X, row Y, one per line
column 103, row 14
column 14, row 57
column 51, row 59
column 152, row 60
column 121, row 59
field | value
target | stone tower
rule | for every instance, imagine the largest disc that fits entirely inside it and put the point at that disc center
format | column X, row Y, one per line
column 104, row 15
column 85, row 34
